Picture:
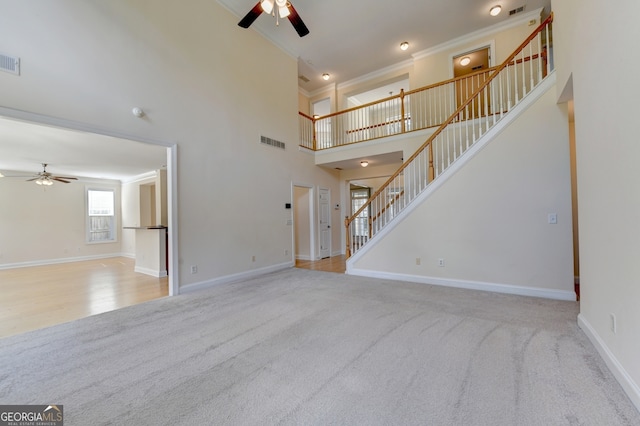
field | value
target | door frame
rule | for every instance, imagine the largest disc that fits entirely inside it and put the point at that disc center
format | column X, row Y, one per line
column 491, row 45
column 172, row 175
column 312, row 220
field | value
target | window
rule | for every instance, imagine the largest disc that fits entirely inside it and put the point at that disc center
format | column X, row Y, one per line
column 358, row 198
column 101, row 218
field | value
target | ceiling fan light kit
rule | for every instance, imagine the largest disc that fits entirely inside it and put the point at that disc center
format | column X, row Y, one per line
column 46, row 181
column 44, row 178
column 285, row 10
column 267, row 5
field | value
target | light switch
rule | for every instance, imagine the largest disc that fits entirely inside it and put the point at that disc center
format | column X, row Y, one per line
column 553, row 218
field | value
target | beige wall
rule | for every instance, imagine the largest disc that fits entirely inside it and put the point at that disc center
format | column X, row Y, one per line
column 597, row 46
column 91, row 62
column 43, row 225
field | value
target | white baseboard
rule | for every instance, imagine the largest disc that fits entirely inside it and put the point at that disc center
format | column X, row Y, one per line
column 630, row 387
column 152, row 272
column 60, row 260
column 470, row 285
column 303, row 257
column 189, row 288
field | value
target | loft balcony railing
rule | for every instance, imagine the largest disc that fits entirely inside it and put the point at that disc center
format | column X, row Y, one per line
column 474, row 105
column 418, row 109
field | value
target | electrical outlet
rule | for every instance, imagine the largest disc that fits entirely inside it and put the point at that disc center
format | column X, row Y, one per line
column 194, row 269
column 286, row 252
column 552, row 218
column 441, row 262
column 613, row 323
column 417, row 261
column 253, row 258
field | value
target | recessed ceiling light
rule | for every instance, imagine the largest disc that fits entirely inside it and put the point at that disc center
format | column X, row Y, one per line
column 495, row 10
column 465, row 61
column 326, row 76
column 404, row 45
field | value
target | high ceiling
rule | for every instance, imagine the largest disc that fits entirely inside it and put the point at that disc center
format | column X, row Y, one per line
column 349, row 39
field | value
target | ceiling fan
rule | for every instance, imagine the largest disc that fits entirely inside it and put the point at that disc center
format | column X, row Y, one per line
column 285, row 10
column 46, row 178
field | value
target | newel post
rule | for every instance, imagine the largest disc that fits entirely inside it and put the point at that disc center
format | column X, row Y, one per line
column 402, row 118
column 348, row 250
column 313, row 125
column 431, row 170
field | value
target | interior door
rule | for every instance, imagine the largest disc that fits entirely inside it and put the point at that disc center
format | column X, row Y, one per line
column 325, row 223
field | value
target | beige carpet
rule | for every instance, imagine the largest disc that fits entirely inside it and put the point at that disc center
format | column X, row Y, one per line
column 303, row 347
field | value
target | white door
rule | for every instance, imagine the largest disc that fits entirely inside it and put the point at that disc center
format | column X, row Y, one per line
column 325, row 223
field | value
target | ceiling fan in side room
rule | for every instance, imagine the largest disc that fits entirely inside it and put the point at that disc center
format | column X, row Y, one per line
column 284, row 10
column 45, row 178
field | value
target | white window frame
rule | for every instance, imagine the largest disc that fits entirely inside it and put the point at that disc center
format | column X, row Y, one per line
column 112, row 226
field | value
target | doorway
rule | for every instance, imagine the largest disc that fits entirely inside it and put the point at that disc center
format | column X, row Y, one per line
column 82, row 131
column 475, row 64
column 323, row 127
column 303, row 238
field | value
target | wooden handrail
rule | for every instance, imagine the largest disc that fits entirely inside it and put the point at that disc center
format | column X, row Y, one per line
column 401, row 96
column 428, row 142
column 375, row 126
column 389, row 204
column 306, row 116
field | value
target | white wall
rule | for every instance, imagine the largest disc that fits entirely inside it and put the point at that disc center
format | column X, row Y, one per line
column 597, row 46
column 48, row 224
column 92, row 61
column 489, row 221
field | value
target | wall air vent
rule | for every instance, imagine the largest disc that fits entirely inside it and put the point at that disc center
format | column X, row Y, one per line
column 516, row 10
column 272, row 142
column 303, row 78
column 10, row 64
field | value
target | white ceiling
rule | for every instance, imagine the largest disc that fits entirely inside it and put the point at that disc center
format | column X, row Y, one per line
column 372, row 160
column 349, row 39
column 24, row 146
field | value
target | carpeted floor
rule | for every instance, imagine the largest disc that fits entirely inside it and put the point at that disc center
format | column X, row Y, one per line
column 303, row 347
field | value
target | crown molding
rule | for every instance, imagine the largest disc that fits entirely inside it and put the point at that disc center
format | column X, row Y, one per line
column 378, row 73
column 485, row 32
column 304, row 92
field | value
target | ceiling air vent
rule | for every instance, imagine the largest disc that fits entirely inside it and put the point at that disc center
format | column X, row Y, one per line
column 10, row 64
column 516, row 10
column 303, row 78
column 271, row 142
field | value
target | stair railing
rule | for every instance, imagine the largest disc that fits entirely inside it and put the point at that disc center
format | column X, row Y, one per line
column 480, row 106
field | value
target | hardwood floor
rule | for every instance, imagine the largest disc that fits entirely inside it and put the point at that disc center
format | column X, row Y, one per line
column 330, row 264
column 41, row 296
